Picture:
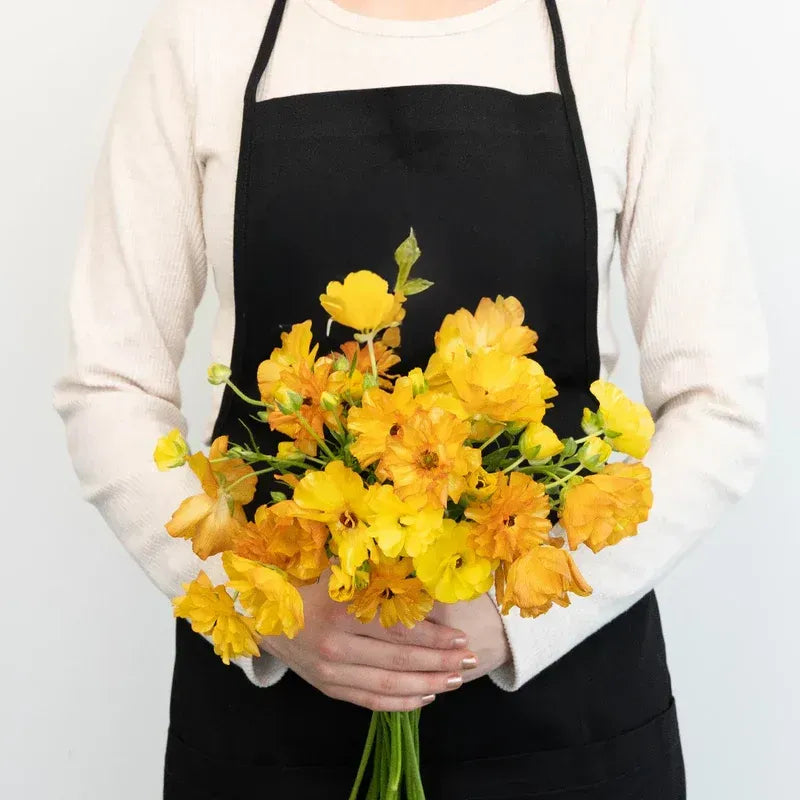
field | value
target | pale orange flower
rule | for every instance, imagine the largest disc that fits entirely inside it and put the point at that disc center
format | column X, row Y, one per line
column 606, row 507
column 539, row 578
column 513, row 520
column 294, row 544
column 212, row 519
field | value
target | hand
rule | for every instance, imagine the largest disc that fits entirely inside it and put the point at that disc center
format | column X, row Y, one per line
column 383, row 669
column 480, row 620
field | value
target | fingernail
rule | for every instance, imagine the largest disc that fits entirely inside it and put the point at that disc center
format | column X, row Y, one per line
column 460, row 641
column 453, row 681
column 469, row 663
column 429, row 698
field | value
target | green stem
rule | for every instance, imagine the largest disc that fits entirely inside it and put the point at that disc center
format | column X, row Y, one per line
column 373, row 725
column 396, row 764
column 514, row 465
column 565, row 478
column 493, row 439
column 372, row 360
column 244, row 397
column 249, row 475
column 321, row 442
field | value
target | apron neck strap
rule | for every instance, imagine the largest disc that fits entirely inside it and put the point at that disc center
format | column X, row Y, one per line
column 264, row 52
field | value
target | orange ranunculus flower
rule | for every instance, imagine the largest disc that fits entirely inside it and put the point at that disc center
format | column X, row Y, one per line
column 379, row 419
column 399, row 597
column 295, row 350
column 513, row 520
column 606, row 507
column 294, row 544
column 430, row 457
column 385, row 358
column 310, row 383
column 501, row 387
column 211, row 612
column 211, row 519
column 539, row 578
column 496, row 325
column 267, row 594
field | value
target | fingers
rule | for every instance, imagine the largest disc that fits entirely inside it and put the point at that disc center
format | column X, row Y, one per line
column 398, row 657
column 376, row 702
column 386, row 682
column 423, row 634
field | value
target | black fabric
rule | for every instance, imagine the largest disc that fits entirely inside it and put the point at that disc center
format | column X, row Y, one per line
column 498, row 189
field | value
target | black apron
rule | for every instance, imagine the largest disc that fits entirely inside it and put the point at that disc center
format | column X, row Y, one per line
column 498, row 189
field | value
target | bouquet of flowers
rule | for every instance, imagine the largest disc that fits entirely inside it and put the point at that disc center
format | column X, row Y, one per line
column 433, row 485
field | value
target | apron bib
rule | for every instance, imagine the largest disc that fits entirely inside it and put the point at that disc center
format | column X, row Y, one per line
column 498, row 189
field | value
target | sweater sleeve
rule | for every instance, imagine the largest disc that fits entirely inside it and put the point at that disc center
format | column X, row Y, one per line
column 139, row 275
column 701, row 334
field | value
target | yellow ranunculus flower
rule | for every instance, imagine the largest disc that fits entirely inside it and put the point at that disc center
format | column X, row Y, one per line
column 402, row 527
column 210, row 610
column 537, row 434
column 541, row 577
column 336, row 496
column 212, row 519
column 275, row 604
column 495, row 326
column 632, row 420
column 171, row 451
column 606, row 507
column 514, row 519
column 501, row 387
column 363, row 302
column 481, row 485
column 341, row 585
column 450, row 569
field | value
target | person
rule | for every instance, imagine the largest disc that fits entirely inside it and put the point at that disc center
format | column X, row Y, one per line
column 527, row 142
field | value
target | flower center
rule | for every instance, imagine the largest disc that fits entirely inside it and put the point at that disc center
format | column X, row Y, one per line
column 348, row 520
column 459, row 562
column 510, row 520
column 387, row 594
column 394, row 430
column 429, row 460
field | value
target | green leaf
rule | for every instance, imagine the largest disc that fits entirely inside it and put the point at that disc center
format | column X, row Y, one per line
column 415, row 286
column 277, row 497
column 406, row 256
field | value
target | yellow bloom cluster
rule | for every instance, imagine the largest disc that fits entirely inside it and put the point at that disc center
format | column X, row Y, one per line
column 402, row 490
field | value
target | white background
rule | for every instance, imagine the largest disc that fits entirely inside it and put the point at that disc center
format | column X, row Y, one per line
column 87, row 640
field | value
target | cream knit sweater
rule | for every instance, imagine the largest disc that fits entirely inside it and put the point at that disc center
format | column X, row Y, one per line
column 160, row 216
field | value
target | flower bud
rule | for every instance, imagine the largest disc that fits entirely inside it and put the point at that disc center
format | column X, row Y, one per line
column 418, row 383
column 288, row 401
column 171, row 451
column 370, row 381
column 329, row 401
column 288, row 451
column 594, row 453
column 341, row 364
column 539, row 442
column 218, row 373
column 591, row 422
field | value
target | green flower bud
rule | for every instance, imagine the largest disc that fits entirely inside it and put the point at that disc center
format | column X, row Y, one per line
column 218, row 373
